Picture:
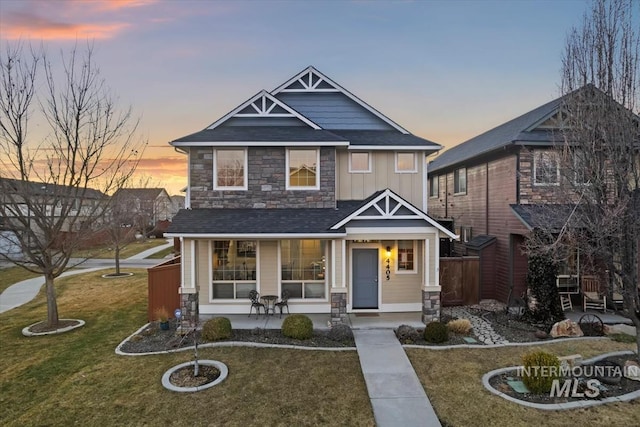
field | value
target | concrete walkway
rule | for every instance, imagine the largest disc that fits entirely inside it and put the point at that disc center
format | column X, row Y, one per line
column 22, row 292
column 397, row 397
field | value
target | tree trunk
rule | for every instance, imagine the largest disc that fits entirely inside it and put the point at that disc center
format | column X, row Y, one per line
column 52, row 305
column 117, row 260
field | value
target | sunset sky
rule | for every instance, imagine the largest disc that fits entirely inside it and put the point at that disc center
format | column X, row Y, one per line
column 445, row 70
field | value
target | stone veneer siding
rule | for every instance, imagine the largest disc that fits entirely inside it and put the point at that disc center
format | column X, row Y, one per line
column 266, row 186
column 190, row 312
column 338, row 308
column 430, row 306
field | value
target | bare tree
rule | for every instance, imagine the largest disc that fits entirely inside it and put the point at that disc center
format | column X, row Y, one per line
column 55, row 182
column 600, row 156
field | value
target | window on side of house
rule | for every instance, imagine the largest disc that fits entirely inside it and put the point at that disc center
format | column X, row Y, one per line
column 546, row 168
column 406, row 162
column 406, row 257
column 234, row 265
column 434, row 186
column 460, row 181
column 302, row 268
column 230, row 169
column 580, row 166
column 303, row 169
column 359, row 162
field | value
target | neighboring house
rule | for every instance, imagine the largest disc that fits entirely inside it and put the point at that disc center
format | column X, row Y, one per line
column 22, row 203
column 146, row 206
column 498, row 187
column 177, row 203
column 308, row 189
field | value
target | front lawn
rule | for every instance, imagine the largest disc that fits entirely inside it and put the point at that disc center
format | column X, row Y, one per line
column 453, row 382
column 107, row 252
column 76, row 378
column 11, row 275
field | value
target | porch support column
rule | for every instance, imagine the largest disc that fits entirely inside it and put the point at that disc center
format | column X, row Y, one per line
column 189, row 295
column 430, row 289
column 338, row 287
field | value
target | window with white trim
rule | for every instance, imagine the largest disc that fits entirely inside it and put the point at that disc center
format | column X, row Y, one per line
column 359, row 162
column 229, row 169
column 234, row 267
column 406, row 256
column 546, row 167
column 434, row 186
column 303, row 169
column 302, row 268
column 460, row 181
column 406, row 162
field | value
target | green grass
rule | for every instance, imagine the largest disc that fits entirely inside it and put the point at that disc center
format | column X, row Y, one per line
column 163, row 253
column 133, row 248
column 76, row 378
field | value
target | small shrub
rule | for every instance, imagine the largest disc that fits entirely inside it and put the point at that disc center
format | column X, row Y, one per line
column 161, row 314
column 340, row 333
column 540, row 369
column 436, row 332
column 460, row 326
column 218, row 328
column 297, row 326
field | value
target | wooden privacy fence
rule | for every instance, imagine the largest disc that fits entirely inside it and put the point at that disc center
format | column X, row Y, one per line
column 460, row 281
column 163, row 283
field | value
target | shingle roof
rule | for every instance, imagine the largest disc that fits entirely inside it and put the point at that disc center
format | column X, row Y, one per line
column 261, row 221
column 32, row 188
column 261, row 134
column 506, row 134
column 141, row 193
column 385, row 138
column 548, row 216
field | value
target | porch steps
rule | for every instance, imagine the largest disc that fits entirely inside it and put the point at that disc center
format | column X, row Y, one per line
column 397, row 397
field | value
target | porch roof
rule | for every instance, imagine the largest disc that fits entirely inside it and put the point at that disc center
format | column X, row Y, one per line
column 549, row 216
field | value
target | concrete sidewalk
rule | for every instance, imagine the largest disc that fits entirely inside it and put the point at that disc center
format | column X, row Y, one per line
column 397, row 397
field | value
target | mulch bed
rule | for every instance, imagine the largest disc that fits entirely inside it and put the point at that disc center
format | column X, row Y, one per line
column 499, row 382
column 41, row 327
column 183, row 377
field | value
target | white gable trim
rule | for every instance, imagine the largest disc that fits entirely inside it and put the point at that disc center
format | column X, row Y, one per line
column 263, row 108
column 305, row 78
column 386, row 210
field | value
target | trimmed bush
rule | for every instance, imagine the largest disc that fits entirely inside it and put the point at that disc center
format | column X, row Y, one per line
column 460, row 326
column 297, row 326
column 436, row 332
column 540, row 369
column 218, row 328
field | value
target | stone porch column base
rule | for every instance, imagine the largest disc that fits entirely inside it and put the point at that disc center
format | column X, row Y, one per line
column 338, row 306
column 430, row 306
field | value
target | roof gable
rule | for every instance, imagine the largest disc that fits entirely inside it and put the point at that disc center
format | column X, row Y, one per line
column 263, row 105
column 388, row 205
column 310, row 80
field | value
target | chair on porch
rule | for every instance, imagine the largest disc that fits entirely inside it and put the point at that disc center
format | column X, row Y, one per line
column 565, row 302
column 284, row 301
column 592, row 295
column 254, row 296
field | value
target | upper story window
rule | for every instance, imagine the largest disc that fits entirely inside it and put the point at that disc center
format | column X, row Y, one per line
column 546, row 167
column 434, row 186
column 359, row 162
column 580, row 167
column 303, row 167
column 460, row 181
column 406, row 163
column 230, row 169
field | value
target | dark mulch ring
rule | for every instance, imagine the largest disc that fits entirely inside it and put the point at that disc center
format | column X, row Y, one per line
column 41, row 327
column 607, row 387
column 154, row 339
column 184, row 377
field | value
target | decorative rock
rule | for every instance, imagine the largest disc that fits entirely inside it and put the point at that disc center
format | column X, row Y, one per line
column 566, row 328
column 620, row 329
column 407, row 334
column 541, row 335
column 632, row 370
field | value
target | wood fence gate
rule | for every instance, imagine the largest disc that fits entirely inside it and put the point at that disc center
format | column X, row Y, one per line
column 163, row 284
column 460, row 281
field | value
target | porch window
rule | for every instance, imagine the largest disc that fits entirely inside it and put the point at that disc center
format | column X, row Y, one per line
column 303, row 268
column 546, row 168
column 234, row 268
column 230, row 169
column 302, row 169
column 406, row 258
column 406, row 163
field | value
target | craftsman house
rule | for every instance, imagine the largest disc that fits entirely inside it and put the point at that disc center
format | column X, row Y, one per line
column 498, row 187
column 308, row 189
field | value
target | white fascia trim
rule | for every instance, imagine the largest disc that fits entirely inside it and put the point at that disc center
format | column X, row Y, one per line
column 260, row 144
column 344, row 91
column 263, row 93
column 395, row 147
column 266, row 236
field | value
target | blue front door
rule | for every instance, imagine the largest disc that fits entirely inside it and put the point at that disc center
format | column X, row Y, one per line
column 365, row 278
